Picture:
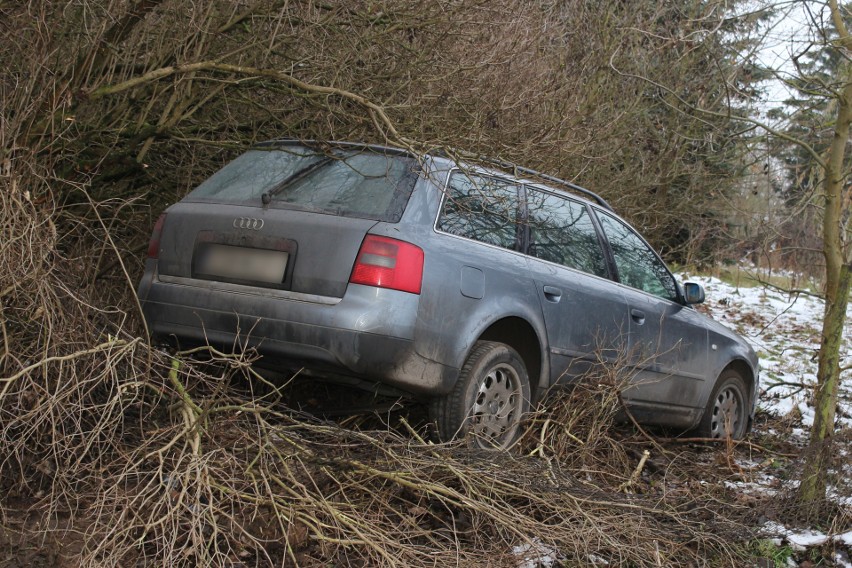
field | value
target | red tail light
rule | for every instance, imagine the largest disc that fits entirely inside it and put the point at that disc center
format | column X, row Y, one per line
column 154, row 244
column 388, row 263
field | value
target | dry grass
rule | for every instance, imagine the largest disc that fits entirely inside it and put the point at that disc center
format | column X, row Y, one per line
column 198, row 473
column 226, row 477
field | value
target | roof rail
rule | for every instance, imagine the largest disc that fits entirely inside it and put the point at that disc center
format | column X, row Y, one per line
column 520, row 169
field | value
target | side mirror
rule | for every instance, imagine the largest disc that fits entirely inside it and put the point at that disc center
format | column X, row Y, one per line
column 693, row 293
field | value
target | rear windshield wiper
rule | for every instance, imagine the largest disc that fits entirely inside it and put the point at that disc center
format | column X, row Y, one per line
column 266, row 196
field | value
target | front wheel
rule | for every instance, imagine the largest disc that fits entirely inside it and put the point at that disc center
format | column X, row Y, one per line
column 726, row 413
column 489, row 400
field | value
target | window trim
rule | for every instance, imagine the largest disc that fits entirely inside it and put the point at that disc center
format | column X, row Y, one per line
column 444, row 187
column 592, row 209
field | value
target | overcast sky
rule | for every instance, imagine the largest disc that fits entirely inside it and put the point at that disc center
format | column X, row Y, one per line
column 788, row 33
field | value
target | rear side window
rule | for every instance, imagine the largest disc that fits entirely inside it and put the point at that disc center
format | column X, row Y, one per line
column 348, row 183
column 561, row 231
column 482, row 208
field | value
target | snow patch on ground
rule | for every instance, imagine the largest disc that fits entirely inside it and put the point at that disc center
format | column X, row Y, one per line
column 534, row 554
column 784, row 330
column 803, row 539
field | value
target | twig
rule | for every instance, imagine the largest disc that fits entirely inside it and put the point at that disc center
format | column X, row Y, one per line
column 736, row 443
column 411, row 430
column 642, row 431
column 636, row 472
column 118, row 257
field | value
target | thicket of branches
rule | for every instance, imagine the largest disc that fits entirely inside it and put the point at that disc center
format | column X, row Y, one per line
column 111, row 109
column 149, row 97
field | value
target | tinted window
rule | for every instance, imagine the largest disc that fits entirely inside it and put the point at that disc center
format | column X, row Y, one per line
column 561, row 231
column 481, row 208
column 348, row 183
column 637, row 264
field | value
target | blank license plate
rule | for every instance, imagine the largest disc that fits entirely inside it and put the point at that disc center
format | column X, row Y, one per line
column 240, row 263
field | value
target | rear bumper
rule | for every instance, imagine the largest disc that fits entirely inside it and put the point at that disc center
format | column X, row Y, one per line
column 367, row 335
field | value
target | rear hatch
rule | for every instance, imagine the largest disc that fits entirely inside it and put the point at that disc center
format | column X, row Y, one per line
column 286, row 217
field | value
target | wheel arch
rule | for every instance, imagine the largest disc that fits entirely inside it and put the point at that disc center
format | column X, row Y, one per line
column 519, row 334
column 742, row 367
column 749, row 375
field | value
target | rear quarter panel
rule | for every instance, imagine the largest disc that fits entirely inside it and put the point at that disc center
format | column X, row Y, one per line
column 467, row 285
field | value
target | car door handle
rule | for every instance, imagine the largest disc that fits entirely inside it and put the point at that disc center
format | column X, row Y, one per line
column 552, row 294
column 638, row 316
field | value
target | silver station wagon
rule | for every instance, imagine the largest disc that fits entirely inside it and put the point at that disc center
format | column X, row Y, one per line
column 470, row 287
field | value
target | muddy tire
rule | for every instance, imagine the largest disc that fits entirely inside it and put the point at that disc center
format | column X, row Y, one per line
column 727, row 410
column 489, row 401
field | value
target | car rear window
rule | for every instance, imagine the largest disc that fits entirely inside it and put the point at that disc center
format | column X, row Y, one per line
column 351, row 183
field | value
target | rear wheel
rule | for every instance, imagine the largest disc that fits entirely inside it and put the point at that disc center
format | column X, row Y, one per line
column 489, row 400
column 726, row 413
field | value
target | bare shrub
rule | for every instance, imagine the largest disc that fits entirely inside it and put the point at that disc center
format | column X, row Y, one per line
column 576, row 426
column 151, row 97
column 224, row 477
column 62, row 362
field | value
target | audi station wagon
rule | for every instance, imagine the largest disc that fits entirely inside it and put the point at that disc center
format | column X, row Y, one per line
column 476, row 288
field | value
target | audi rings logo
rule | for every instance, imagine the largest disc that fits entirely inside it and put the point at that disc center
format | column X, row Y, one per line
column 248, row 223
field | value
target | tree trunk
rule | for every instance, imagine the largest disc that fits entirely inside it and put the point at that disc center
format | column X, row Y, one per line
column 812, row 489
column 815, row 474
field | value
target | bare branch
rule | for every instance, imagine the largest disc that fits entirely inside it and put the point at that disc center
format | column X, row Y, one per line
column 157, row 74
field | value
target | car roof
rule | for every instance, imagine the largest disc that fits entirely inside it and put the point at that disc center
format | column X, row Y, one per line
column 479, row 164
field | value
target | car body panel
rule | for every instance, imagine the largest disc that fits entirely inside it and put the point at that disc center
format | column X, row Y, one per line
column 321, row 247
column 300, row 329
column 445, row 311
column 585, row 316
